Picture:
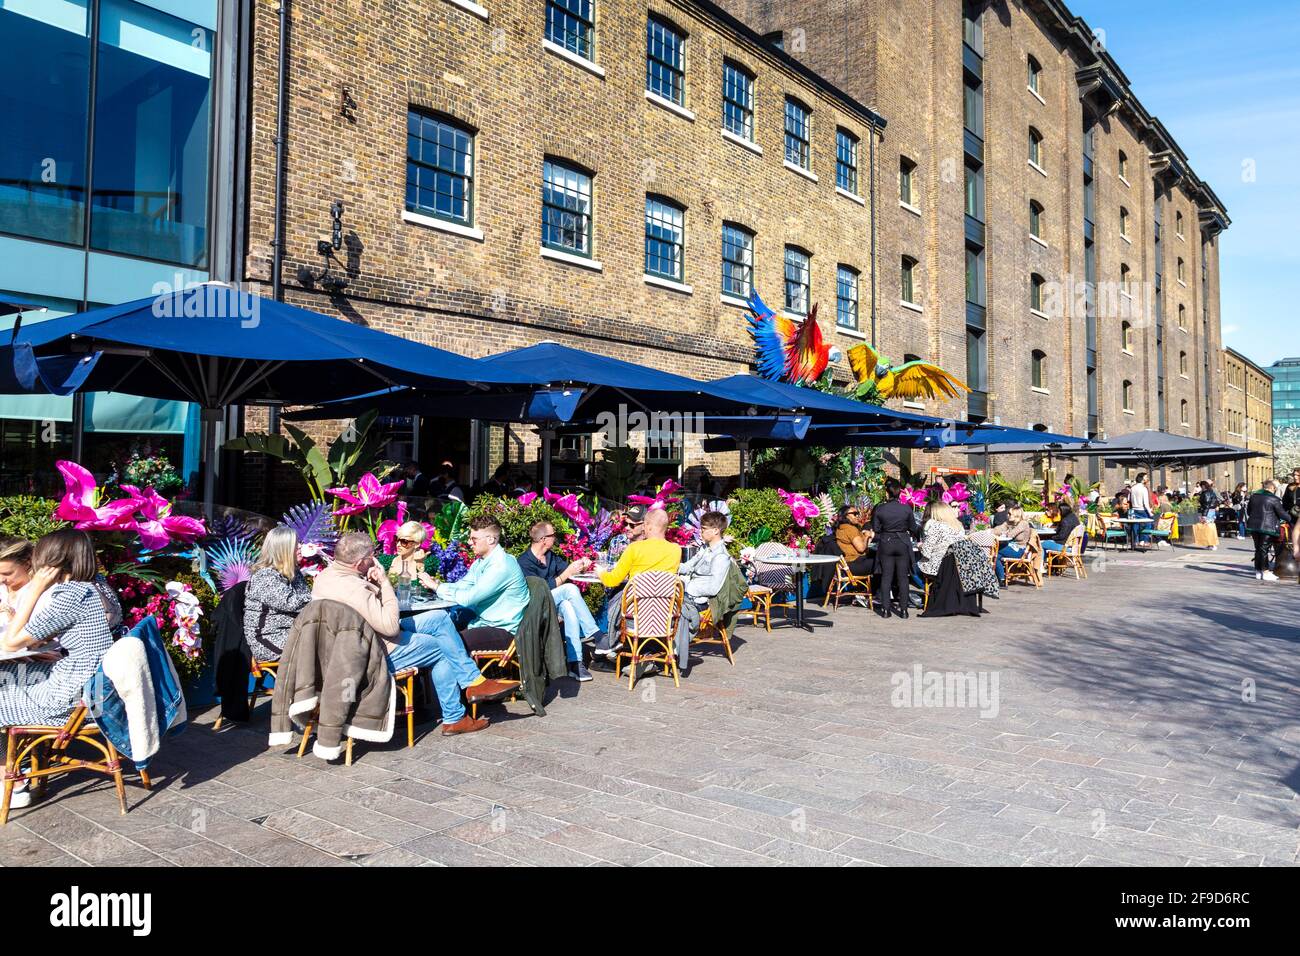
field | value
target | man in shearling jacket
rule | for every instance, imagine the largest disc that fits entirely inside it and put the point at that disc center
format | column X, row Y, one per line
column 355, row 579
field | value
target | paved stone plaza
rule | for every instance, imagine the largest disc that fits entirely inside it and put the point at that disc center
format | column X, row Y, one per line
column 1120, row 737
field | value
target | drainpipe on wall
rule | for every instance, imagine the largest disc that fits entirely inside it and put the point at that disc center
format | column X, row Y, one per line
column 874, row 263
column 277, row 242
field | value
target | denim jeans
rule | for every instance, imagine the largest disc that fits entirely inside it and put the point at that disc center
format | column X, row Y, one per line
column 1053, row 546
column 1140, row 531
column 431, row 640
column 1008, row 550
column 578, row 620
column 687, row 627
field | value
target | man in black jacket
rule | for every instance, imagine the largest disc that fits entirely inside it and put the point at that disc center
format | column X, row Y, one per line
column 894, row 524
column 1264, row 519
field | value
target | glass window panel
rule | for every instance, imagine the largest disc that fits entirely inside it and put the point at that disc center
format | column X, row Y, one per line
column 846, row 161
column 571, row 24
column 440, row 163
column 846, row 298
column 907, row 277
column 45, row 49
column 905, row 170
column 566, row 208
column 152, row 97
column 737, row 101
column 798, row 134
column 797, row 269
column 737, row 261
column 664, row 237
column 665, row 62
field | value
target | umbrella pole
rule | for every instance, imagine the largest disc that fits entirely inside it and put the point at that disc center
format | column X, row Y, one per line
column 212, row 419
column 743, row 448
column 547, row 437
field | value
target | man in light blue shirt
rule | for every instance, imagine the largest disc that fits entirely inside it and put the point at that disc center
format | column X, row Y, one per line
column 704, row 574
column 493, row 591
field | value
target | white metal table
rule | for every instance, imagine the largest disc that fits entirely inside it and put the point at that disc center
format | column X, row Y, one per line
column 798, row 565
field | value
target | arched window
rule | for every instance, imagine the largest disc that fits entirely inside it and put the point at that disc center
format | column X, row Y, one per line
column 1036, row 283
column 1182, row 317
column 1123, row 164
column 1035, row 219
column 1182, row 270
column 1182, row 363
column 1182, row 411
column 1035, row 74
column 1035, row 147
column 1037, row 372
column 907, row 279
column 1128, row 396
column 1126, row 338
column 1123, row 221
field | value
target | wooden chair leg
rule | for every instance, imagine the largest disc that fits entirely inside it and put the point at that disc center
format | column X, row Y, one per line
column 145, row 781
column 726, row 643
column 306, row 734
column 410, row 711
column 11, row 771
column 216, row 724
column 115, row 765
column 347, row 761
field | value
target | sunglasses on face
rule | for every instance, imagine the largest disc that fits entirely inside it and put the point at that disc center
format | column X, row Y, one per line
column 407, row 541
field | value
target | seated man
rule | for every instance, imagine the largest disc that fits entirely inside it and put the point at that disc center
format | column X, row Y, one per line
column 634, row 530
column 541, row 561
column 493, row 593
column 355, row 579
column 654, row 552
column 705, row 575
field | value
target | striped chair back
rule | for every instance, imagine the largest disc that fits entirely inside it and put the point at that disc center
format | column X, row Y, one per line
column 652, row 602
column 774, row 576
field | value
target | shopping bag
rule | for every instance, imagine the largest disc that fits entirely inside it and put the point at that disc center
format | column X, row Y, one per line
column 1205, row 535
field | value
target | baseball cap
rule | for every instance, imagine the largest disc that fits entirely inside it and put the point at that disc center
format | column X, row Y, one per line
column 636, row 514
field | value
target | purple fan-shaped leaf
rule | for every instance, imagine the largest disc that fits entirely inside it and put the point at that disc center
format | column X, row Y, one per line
column 231, row 560
column 313, row 524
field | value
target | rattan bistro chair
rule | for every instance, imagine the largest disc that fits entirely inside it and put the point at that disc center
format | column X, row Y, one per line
column 1027, row 567
column 45, row 750
column 1070, row 558
column 652, row 606
column 770, row 581
column 846, row 584
column 404, row 680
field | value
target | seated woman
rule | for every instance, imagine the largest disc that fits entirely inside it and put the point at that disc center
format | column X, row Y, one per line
column 410, row 558
column 942, row 529
column 277, row 591
column 15, row 574
column 70, row 631
column 854, row 539
column 1018, row 529
column 1064, row 528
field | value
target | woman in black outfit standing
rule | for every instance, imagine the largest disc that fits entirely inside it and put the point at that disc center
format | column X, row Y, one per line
column 895, row 528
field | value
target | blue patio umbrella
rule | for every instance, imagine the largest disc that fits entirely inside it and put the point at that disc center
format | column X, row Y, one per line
column 826, row 408
column 522, row 404
column 215, row 345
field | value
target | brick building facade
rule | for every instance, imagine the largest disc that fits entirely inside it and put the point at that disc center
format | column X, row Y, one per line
column 468, row 266
column 1016, row 141
column 1248, row 419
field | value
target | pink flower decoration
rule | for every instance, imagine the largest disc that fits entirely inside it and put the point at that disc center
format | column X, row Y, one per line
column 157, row 526
column 802, row 510
column 569, row 506
column 371, row 493
column 913, row 497
column 80, row 498
column 527, row 498
column 662, row 499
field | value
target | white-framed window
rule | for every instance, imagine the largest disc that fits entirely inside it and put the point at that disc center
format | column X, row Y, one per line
column 439, row 167
column 665, row 60
column 571, row 24
column 798, row 134
column 665, row 238
column 846, row 297
column 798, row 270
column 737, row 100
column 737, row 261
column 566, row 208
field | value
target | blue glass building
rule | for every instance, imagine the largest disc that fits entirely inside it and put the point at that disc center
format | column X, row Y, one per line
column 106, row 195
column 1286, row 392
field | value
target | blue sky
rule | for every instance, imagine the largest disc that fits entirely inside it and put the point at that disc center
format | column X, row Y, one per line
column 1225, row 81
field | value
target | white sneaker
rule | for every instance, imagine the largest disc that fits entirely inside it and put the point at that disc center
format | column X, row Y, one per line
column 1270, row 576
column 1259, row 575
column 21, row 797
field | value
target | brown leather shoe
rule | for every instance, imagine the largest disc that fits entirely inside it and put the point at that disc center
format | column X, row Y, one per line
column 490, row 690
column 466, row 725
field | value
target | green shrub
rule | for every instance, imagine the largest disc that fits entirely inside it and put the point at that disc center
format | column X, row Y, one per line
column 25, row 516
column 757, row 508
column 517, row 520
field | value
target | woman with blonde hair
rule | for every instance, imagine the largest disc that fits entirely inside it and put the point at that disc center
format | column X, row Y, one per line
column 15, row 573
column 940, row 532
column 277, row 591
column 408, row 562
column 1020, row 531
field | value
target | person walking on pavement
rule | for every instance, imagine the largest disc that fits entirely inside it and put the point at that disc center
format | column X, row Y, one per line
column 1264, row 519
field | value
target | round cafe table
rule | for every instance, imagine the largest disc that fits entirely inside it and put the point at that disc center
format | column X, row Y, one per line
column 1133, row 529
column 420, row 605
column 798, row 565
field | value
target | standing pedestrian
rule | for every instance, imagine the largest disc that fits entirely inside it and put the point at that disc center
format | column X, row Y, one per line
column 1140, row 497
column 1264, row 519
column 894, row 525
column 1207, row 505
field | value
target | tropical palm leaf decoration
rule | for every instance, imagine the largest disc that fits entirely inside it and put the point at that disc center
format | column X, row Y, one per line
column 448, row 523
column 231, row 559
column 313, row 524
